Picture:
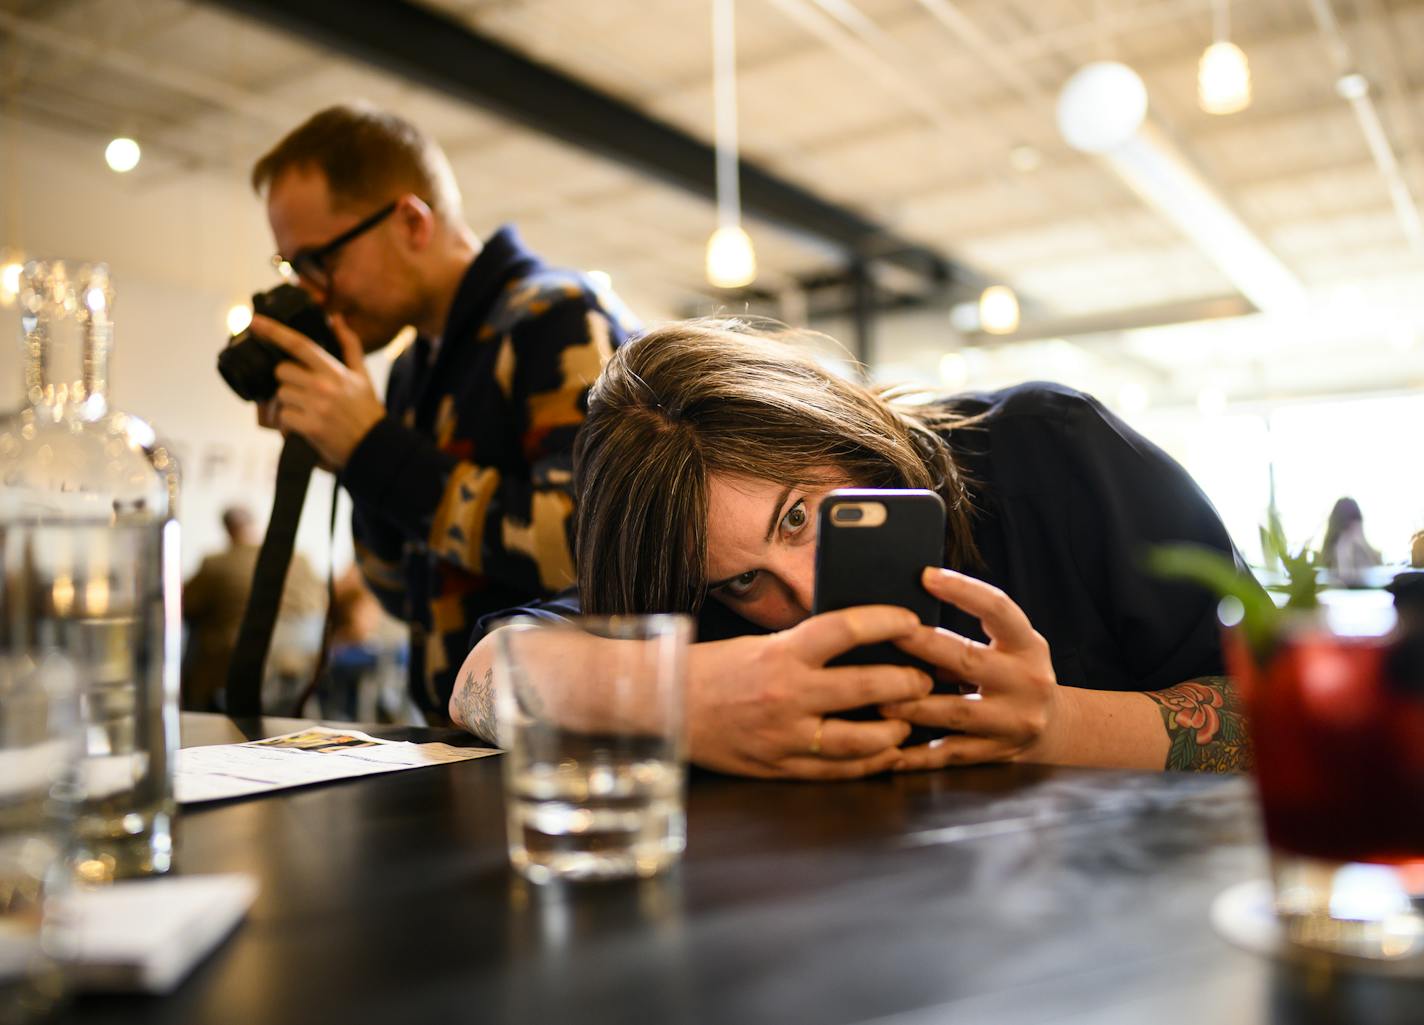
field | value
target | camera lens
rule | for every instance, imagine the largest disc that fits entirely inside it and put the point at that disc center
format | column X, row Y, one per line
column 248, row 365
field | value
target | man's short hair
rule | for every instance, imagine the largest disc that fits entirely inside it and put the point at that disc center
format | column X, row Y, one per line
column 368, row 157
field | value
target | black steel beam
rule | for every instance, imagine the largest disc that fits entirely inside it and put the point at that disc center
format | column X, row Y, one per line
column 845, row 293
column 863, row 289
column 425, row 46
column 1118, row 321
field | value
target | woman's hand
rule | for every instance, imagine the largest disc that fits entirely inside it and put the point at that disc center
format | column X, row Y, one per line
column 1015, row 711
column 759, row 706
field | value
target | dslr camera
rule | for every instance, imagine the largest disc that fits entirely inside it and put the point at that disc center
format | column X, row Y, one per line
column 249, row 363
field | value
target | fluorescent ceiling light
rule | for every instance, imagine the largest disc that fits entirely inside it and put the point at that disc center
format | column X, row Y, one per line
column 1102, row 110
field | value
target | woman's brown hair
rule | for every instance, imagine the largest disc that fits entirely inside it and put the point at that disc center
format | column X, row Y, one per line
column 697, row 398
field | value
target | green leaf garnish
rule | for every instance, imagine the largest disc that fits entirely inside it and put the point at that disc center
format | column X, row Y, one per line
column 1219, row 573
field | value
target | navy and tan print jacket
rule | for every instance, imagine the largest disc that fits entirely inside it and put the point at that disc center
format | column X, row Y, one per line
column 462, row 494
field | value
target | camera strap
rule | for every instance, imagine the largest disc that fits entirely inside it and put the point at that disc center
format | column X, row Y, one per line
column 254, row 636
column 328, row 625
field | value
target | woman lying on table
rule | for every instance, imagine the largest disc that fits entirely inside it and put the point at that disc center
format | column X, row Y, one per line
column 707, row 450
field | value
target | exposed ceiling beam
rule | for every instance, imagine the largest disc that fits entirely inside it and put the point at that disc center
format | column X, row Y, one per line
column 1345, row 204
column 198, row 86
column 424, row 46
column 1118, row 321
column 1004, row 108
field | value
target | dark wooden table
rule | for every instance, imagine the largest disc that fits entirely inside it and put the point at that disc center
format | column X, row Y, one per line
column 1003, row 895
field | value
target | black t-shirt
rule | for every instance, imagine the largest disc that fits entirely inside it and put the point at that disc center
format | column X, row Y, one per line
column 1068, row 500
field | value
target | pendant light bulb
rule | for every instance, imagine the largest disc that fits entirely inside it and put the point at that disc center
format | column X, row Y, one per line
column 122, row 155
column 10, row 273
column 731, row 260
column 998, row 310
column 239, row 316
column 1223, row 79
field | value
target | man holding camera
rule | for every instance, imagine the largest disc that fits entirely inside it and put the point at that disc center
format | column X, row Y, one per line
column 461, row 479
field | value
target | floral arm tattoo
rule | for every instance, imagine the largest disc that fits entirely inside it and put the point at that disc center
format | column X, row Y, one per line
column 1206, row 725
column 476, row 701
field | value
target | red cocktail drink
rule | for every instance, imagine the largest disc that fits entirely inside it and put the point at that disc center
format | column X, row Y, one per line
column 1339, row 745
column 1337, row 728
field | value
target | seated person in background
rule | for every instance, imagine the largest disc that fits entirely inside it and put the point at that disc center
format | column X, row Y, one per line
column 356, row 617
column 1416, row 550
column 707, row 450
column 214, row 601
column 1345, row 552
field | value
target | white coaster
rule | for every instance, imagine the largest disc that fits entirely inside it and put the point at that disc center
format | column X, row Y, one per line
column 147, row 935
column 1245, row 916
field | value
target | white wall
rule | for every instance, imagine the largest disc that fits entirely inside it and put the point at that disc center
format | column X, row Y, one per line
column 182, row 248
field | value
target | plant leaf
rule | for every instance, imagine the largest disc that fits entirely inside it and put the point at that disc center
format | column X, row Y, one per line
column 1302, row 588
column 1220, row 574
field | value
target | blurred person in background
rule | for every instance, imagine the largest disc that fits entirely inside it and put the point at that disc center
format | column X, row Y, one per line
column 461, row 480
column 1345, row 552
column 214, row 601
column 354, row 654
column 1416, row 550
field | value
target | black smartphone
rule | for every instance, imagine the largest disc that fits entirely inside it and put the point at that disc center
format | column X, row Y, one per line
column 872, row 546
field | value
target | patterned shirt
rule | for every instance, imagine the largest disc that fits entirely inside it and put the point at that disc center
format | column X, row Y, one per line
column 462, row 494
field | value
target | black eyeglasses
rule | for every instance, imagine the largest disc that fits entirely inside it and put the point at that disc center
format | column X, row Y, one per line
column 311, row 264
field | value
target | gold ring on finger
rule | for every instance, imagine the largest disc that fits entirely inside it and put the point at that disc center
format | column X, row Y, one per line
column 816, row 740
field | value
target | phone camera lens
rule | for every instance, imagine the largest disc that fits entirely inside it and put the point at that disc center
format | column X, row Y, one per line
column 848, row 514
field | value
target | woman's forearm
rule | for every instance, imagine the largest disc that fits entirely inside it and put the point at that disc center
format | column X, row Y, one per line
column 472, row 700
column 1196, row 726
column 755, row 705
column 1205, row 724
column 573, row 680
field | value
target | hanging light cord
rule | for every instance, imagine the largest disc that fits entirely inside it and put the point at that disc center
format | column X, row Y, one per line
column 724, row 101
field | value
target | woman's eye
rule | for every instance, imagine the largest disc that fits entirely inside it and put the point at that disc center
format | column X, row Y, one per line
column 740, row 586
column 795, row 518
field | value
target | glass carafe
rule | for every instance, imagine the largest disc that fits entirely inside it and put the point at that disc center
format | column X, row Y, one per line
column 89, row 542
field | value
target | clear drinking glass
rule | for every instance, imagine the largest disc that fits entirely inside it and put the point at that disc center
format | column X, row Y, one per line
column 590, row 712
column 39, row 748
column 92, row 598
column 90, row 541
